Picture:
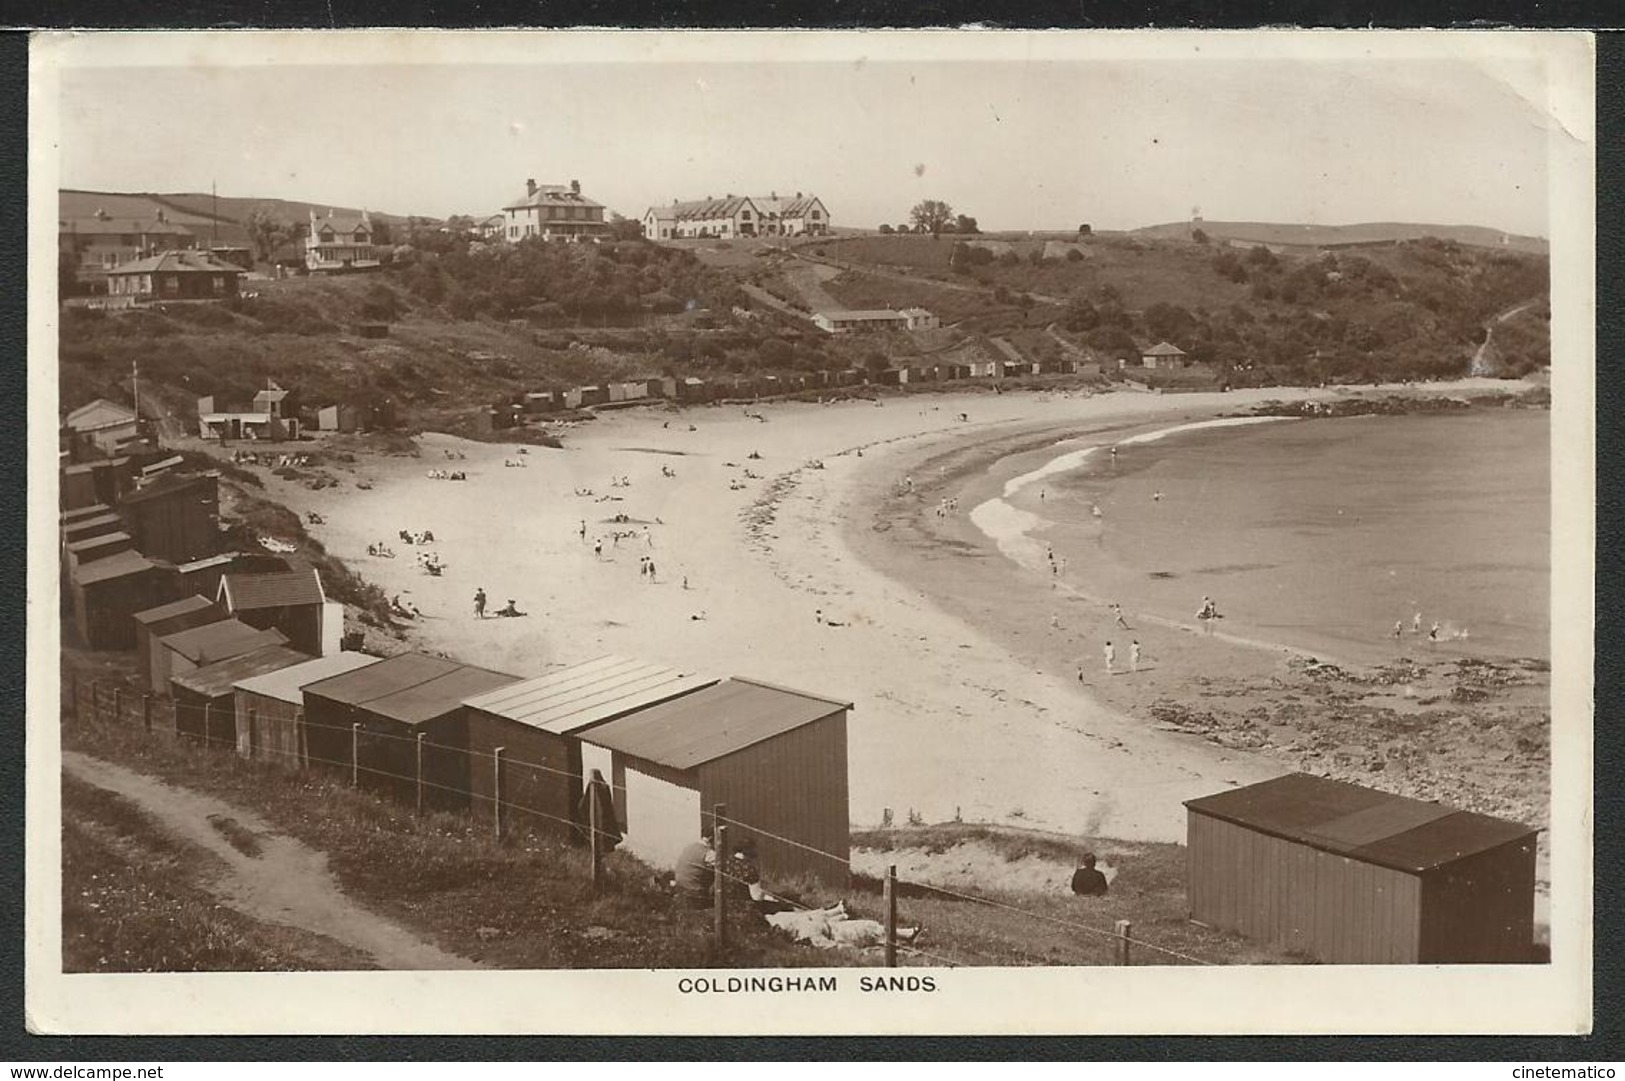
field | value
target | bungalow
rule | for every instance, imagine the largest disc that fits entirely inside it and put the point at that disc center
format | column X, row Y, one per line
column 847, row 321
column 102, row 423
column 338, row 243
column 555, row 212
column 215, row 422
column 291, row 601
column 174, row 275
column 1162, row 354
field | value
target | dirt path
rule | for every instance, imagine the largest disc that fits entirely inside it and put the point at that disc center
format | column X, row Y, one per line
column 283, row 881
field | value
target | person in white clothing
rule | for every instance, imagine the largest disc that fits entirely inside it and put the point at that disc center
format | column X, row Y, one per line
column 1110, row 652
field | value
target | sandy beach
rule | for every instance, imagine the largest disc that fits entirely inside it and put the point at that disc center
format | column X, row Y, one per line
column 963, row 674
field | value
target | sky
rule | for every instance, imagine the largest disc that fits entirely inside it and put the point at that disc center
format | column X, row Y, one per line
column 1041, row 141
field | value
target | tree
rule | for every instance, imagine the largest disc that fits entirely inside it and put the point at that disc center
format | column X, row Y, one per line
column 885, row 229
column 964, row 223
column 266, row 234
column 905, row 227
column 1199, row 235
column 930, row 215
column 1084, row 229
column 624, row 228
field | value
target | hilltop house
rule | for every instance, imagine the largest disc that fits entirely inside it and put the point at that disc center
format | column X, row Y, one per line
column 173, row 275
column 339, row 243
column 555, row 212
column 804, row 215
column 737, row 216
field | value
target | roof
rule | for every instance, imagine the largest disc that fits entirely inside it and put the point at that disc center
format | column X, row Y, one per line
column 409, row 687
column 785, row 207
column 1163, row 349
column 178, row 262
column 588, row 693
column 165, row 483
column 344, row 224
column 100, row 413
column 711, row 723
column 99, row 541
column 175, row 609
column 215, row 680
column 221, row 639
column 87, row 527
column 121, row 227
column 288, row 684
column 550, row 195
column 246, row 592
column 271, row 394
column 118, row 565
column 1361, row 823
column 863, row 313
column 704, row 209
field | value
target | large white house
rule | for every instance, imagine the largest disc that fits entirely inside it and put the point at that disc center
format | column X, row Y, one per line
column 737, row 216
column 555, row 212
column 340, row 242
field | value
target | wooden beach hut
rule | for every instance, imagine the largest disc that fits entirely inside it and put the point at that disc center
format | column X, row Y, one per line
column 775, row 757
column 196, row 647
column 269, row 708
column 108, row 593
column 292, row 601
column 152, row 624
column 1350, row 875
column 539, row 722
column 205, row 706
column 392, row 702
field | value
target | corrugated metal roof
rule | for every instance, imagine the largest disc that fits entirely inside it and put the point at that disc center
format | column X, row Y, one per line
column 118, row 565
column 1361, row 823
column 711, row 723
column 288, row 684
column 438, row 696
column 588, row 693
column 182, row 607
column 217, row 641
column 246, row 592
column 376, row 680
column 217, row 679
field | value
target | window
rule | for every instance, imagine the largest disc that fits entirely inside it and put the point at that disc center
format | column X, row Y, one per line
column 744, row 215
column 816, row 215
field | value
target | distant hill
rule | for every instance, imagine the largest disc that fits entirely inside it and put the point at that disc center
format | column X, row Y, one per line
column 224, row 217
column 1286, row 234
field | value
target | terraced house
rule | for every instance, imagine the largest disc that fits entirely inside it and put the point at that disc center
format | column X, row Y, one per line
column 737, row 216
column 555, row 212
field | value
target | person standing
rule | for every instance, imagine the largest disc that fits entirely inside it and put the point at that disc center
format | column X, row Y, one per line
column 1134, row 655
column 1110, row 652
column 1399, row 627
column 479, row 603
column 1416, row 623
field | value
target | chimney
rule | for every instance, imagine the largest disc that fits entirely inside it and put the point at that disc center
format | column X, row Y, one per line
column 161, row 218
column 798, row 195
column 575, row 187
column 530, row 186
column 773, row 195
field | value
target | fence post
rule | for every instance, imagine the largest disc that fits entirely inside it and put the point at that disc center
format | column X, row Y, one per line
column 301, row 744
column 719, row 881
column 891, row 916
column 496, row 790
column 118, row 704
column 146, row 712
column 355, row 753
column 206, row 707
column 419, row 771
column 253, row 731
column 1124, row 927
column 594, row 841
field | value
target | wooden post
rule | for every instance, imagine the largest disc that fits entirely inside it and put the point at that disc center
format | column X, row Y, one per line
column 355, row 753
column 594, row 832
column 146, row 712
column 419, row 771
column 719, row 881
column 301, row 745
column 206, row 707
column 253, row 731
column 118, row 703
column 891, row 916
column 1123, row 931
column 496, row 790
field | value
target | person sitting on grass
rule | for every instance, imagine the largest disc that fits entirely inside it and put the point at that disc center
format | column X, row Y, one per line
column 695, row 871
column 1086, row 881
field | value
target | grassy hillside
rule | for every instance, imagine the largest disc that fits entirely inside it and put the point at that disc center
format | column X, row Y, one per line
column 1380, row 232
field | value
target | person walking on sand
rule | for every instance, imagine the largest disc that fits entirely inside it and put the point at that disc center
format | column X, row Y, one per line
column 1433, row 632
column 1416, row 623
column 583, row 531
column 1399, row 627
column 1117, row 613
column 598, row 547
column 1110, row 652
column 1134, row 655
column 479, row 603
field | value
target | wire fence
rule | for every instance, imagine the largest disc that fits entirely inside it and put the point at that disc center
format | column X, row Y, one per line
column 224, row 729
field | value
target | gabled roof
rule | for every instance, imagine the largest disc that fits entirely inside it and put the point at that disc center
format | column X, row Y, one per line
column 786, row 207
column 864, row 313
column 246, row 592
column 550, row 195
column 705, row 209
column 120, row 227
column 1163, row 349
column 342, row 224
column 215, row 680
column 118, row 565
column 288, row 684
column 1361, row 823
column 409, row 687
column 219, row 640
column 588, row 693
column 712, row 723
column 178, row 262
column 100, row 413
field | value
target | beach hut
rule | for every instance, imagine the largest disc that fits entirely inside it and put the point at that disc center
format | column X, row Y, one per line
column 94, row 548
column 292, row 601
column 392, row 703
column 1350, row 875
column 197, row 647
column 78, row 487
column 342, row 417
column 175, row 517
column 594, row 395
column 539, row 723
column 87, row 527
column 108, row 593
column 81, row 514
column 776, row 757
column 268, row 709
column 205, row 707
column 152, row 624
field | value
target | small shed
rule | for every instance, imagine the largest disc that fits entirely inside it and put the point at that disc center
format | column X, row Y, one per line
column 539, row 723
column 292, row 601
column 394, row 701
column 154, row 623
column 1163, row 355
column 205, row 697
column 179, row 653
column 85, row 528
column 175, row 517
column 108, row 593
column 93, row 548
column 1350, row 875
column 775, row 757
column 269, row 708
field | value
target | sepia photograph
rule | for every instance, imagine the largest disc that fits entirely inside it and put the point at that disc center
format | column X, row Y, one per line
column 954, row 531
